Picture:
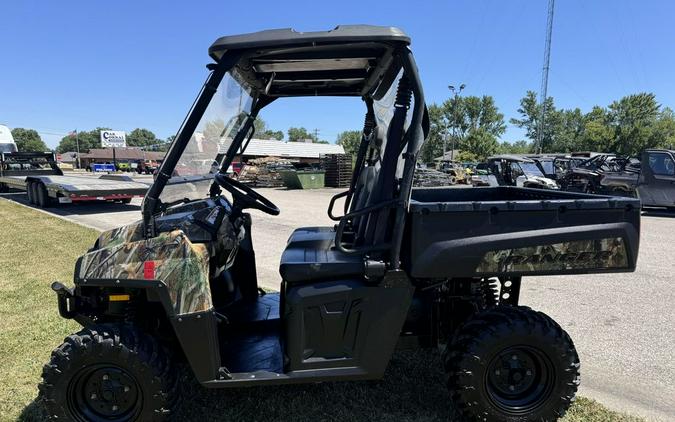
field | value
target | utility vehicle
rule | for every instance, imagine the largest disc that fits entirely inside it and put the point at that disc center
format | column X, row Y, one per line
column 513, row 170
column 436, row 268
column 455, row 170
column 586, row 176
column 652, row 180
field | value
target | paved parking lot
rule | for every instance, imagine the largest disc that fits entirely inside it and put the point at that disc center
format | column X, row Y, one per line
column 622, row 324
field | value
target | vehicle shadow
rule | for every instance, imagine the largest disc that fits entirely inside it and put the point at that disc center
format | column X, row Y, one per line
column 413, row 389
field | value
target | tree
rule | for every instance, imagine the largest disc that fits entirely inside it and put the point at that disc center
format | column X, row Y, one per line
column 478, row 113
column 480, row 142
column 28, row 140
column 518, row 147
column 350, row 141
column 664, row 130
column 480, row 125
column 296, row 134
column 263, row 132
column 634, row 121
column 433, row 147
column 475, row 122
column 597, row 135
column 142, row 138
column 530, row 111
column 626, row 127
column 466, row 157
column 87, row 141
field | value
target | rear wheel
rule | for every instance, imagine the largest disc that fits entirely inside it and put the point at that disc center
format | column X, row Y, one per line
column 511, row 363
column 42, row 196
column 32, row 199
column 109, row 373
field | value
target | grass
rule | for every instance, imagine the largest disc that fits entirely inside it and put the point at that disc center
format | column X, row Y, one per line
column 36, row 249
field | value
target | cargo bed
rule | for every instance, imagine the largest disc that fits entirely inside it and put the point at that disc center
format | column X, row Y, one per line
column 509, row 231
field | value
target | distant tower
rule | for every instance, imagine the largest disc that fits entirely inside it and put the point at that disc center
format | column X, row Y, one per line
column 544, row 77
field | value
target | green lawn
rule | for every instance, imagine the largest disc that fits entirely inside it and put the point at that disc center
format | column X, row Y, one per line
column 36, row 249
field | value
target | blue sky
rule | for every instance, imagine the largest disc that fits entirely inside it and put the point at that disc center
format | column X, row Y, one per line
column 128, row 64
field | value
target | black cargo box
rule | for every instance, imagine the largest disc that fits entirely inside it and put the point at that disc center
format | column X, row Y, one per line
column 480, row 232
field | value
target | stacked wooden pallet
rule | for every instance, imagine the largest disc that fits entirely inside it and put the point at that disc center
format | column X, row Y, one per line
column 264, row 172
column 338, row 169
column 425, row 177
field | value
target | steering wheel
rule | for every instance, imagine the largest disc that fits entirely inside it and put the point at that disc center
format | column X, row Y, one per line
column 248, row 197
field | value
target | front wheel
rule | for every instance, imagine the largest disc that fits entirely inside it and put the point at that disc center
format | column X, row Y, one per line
column 511, row 363
column 109, row 373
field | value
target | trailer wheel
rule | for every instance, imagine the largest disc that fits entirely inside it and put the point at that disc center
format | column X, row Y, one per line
column 109, row 373
column 42, row 196
column 511, row 363
column 30, row 191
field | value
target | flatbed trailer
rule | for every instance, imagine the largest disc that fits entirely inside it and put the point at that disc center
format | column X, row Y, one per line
column 38, row 175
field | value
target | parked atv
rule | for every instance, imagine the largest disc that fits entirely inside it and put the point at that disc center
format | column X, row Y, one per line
column 456, row 172
column 512, row 170
column 586, row 176
column 402, row 267
column 652, row 180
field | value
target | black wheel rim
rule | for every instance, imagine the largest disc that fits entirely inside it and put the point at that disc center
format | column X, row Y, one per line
column 519, row 379
column 104, row 392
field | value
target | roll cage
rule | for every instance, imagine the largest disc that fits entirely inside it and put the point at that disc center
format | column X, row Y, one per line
column 357, row 60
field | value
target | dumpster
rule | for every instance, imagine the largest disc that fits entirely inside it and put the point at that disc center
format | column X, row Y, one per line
column 303, row 179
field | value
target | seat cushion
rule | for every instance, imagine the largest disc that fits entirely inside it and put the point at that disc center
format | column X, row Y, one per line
column 312, row 237
column 302, row 264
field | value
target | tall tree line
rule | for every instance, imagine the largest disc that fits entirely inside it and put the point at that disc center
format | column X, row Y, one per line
column 626, row 127
column 473, row 125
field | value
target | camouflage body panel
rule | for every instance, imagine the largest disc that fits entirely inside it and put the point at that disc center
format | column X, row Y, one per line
column 182, row 265
column 126, row 234
column 609, row 253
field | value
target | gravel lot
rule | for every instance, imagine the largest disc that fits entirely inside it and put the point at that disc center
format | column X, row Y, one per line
column 622, row 324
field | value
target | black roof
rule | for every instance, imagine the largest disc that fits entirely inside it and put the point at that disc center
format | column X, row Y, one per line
column 288, row 37
column 660, row 150
column 347, row 60
column 510, row 157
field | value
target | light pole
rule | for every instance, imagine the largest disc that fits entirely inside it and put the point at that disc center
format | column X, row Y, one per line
column 456, row 92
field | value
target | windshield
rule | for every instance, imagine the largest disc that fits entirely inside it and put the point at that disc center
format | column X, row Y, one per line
column 7, row 147
column 192, row 176
column 547, row 165
column 530, row 169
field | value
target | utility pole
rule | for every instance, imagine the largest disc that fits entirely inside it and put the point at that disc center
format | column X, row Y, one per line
column 316, row 135
column 77, row 143
column 544, row 77
column 456, row 92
